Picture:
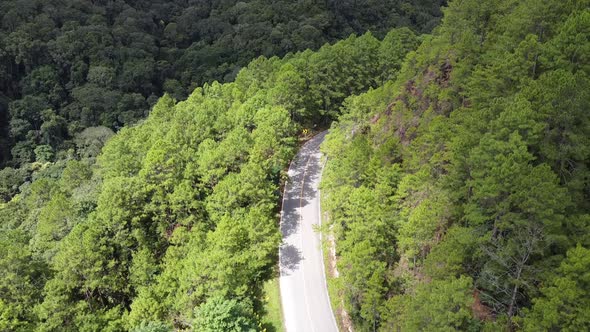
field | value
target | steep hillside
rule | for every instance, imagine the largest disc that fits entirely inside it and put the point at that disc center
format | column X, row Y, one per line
column 459, row 192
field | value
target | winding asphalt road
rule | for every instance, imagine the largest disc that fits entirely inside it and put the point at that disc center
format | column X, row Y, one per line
column 304, row 295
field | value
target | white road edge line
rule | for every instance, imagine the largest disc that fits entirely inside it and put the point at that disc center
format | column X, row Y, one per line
column 301, row 242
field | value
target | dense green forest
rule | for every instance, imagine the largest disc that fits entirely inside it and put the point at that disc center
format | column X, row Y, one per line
column 456, row 184
column 459, row 193
column 176, row 222
column 173, row 223
column 68, row 65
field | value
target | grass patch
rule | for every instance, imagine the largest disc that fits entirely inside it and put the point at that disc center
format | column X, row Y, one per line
column 272, row 321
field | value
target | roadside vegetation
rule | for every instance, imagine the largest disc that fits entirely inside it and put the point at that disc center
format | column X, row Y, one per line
column 458, row 193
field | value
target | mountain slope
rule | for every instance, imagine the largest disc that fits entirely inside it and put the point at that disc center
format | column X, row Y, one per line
column 457, row 190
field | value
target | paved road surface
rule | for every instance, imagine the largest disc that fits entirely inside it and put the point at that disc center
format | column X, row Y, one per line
column 304, row 295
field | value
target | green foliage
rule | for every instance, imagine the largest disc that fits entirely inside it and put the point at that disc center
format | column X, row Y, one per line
column 473, row 157
column 103, row 64
column 10, row 180
column 55, row 221
column 20, row 274
column 453, row 255
column 359, row 183
column 43, row 153
column 178, row 212
column 456, row 181
column 442, row 305
column 151, row 326
column 90, row 141
column 220, row 314
column 564, row 301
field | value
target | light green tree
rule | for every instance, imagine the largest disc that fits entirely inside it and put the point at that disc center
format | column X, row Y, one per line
column 564, row 303
column 220, row 314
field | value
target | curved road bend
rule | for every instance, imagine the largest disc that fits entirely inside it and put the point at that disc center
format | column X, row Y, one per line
column 304, row 295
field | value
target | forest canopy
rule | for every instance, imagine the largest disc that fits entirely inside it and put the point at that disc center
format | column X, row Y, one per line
column 68, row 65
column 458, row 193
column 457, row 181
column 176, row 222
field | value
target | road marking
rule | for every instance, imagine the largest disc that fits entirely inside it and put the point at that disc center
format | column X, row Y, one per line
column 302, row 165
column 301, row 241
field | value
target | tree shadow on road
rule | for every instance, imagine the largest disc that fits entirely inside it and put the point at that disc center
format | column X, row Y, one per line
column 296, row 196
column 313, row 174
column 290, row 259
column 290, row 217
